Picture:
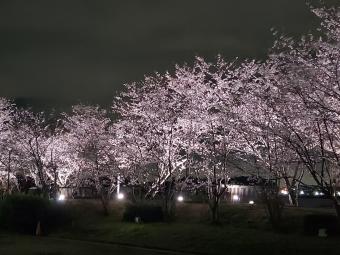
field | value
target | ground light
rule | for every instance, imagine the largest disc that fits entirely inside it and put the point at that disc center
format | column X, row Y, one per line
column 318, row 193
column 251, row 202
column 180, row 198
column 120, row 196
column 235, row 198
column 284, row 192
column 61, row 197
column 302, row 192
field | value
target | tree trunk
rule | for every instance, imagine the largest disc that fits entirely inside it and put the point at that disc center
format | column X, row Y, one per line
column 273, row 204
column 293, row 198
column 55, row 185
column 44, row 186
column 8, row 182
column 168, row 200
column 9, row 173
column 214, row 207
column 292, row 194
column 169, row 205
column 105, row 203
column 44, row 190
column 336, row 207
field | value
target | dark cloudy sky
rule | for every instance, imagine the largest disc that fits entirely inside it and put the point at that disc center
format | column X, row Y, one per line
column 57, row 53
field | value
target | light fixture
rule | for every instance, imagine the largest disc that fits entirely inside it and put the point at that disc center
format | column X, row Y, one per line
column 235, row 197
column 251, row 202
column 180, row 198
column 61, row 197
column 302, row 192
column 120, row 196
column 284, row 192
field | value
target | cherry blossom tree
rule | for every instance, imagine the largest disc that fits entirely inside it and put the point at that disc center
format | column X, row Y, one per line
column 91, row 150
column 150, row 114
column 305, row 92
column 208, row 124
column 133, row 158
column 57, row 162
column 259, row 135
column 35, row 139
column 7, row 160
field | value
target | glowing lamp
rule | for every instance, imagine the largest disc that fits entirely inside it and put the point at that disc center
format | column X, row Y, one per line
column 61, row 197
column 120, row 196
column 284, row 192
column 235, row 198
column 180, row 198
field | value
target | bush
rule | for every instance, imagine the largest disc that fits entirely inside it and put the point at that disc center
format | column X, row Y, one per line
column 57, row 215
column 146, row 213
column 21, row 213
column 312, row 224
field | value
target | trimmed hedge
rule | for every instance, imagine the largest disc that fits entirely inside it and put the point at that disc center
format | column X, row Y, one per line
column 21, row 213
column 145, row 213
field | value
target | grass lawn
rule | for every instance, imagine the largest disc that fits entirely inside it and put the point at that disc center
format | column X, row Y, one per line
column 29, row 245
column 209, row 239
column 244, row 230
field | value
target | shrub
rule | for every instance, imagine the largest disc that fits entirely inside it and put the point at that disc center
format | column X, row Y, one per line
column 146, row 213
column 312, row 224
column 56, row 216
column 21, row 213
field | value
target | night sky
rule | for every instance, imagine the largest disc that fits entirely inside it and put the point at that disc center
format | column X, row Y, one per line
column 58, row 53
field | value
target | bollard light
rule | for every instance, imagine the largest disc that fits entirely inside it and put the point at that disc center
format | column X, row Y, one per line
column 120, row 196
column 235, row 197
column 284, row 192
column 61, row 197
column 180, row 198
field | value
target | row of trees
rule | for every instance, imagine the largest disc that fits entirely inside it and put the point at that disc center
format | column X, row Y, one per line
column 281, row 117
